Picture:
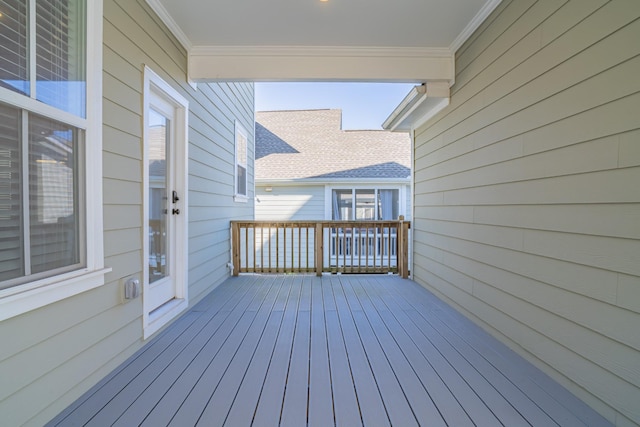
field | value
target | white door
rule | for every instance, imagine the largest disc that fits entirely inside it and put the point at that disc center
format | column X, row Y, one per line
column 164, row 294
column 163, row 203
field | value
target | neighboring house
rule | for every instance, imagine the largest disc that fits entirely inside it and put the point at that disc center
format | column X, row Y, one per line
column 99, row 150
column 308, row 168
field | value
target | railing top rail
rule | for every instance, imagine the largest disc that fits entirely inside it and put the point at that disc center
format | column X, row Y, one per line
column 324, row 223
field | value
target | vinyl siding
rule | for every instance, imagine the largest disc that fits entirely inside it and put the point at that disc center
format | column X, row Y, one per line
column 527, row 195
column 284, row 203
column 304, row 202
column 50, row 356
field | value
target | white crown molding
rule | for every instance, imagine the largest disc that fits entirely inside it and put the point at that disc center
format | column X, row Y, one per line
column 322, row 51
column 168, row 20
column 473, row 25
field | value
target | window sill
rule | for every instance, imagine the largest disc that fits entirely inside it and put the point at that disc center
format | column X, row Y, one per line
column 240, row 199
column 18, row 300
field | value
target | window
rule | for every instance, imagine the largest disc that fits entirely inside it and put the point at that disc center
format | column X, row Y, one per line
column 370, row 204
column 241, row 163
column 50, row 139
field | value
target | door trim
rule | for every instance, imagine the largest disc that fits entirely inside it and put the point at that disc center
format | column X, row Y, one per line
column 156, row 319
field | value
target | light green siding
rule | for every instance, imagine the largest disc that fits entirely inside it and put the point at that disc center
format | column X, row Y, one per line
column 50, row 356
column 527, row 192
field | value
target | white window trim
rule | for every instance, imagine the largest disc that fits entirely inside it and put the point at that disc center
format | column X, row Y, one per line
column 30, row 296
column 237, row 197
column 328, row 195
column 153, row 322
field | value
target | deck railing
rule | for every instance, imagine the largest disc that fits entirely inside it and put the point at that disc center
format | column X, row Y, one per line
column 320, row 246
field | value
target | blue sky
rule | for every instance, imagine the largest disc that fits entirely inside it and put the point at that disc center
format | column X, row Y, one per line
column 364, row 105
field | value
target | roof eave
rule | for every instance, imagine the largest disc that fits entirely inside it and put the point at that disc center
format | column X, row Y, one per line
column 421, row 104
column 320, row 181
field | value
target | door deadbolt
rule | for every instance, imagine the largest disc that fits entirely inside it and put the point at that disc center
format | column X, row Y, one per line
column 175, row 211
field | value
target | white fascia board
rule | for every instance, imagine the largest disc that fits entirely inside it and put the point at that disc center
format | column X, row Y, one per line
column 319, row 63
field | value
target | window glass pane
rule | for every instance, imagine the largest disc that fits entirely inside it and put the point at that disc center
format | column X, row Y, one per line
column 241, row 143
column 11, row 242
column 388, row 204
column 241, row 160
column 159, row 138
column 53, row 194
column 60, row 54
column 365, row 205
column 342, row 205
column 242, row 181
column 14, row 67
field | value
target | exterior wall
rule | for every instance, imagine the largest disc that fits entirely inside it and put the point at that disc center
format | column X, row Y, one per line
column 527, row 199
column 283, row 203
column 50, row 356
column 306, row 202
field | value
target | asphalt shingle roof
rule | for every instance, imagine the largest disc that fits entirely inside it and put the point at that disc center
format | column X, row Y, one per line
column 311, row 144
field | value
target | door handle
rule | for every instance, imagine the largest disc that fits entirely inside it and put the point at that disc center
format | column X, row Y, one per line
column 174, row 196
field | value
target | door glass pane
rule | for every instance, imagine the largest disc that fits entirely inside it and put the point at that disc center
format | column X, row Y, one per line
column 158, row 195
column 11, row 241
column 14, row 67
column 53, row 194
column 365, row 204
column 60, row 54
column 342, row 205
column 388, row 204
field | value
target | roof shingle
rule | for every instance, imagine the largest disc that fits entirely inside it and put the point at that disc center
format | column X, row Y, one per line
column 310, row 144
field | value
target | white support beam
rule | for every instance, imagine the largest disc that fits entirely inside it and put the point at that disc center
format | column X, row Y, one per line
column 224, row 63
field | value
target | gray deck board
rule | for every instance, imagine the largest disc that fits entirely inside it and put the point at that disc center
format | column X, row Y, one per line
column 345, row 401
column 564, row 408
column 269, row 406
column 296, row 396
column 344, row 351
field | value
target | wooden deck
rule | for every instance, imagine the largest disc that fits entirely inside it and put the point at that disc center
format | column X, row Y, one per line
column 324, row 351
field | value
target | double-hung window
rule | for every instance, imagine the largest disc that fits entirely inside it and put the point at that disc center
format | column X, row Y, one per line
column 49, row 150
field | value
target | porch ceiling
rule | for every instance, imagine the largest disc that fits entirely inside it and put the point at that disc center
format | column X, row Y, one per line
column 400, row 40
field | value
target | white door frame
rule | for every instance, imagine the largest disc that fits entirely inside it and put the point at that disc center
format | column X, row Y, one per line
column 154, row 319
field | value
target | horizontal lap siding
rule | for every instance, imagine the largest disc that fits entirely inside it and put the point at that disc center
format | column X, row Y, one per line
column 527, row 192
column 290, row 203
column 52, row 355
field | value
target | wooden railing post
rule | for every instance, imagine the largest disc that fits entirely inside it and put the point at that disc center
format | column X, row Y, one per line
column 235, row 247
column 403, row 248
column 319, row 248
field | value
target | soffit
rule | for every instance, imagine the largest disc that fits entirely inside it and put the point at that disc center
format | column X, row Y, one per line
column 357, row 40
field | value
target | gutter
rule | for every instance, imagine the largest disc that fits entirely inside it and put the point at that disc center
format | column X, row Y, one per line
column 421, row 103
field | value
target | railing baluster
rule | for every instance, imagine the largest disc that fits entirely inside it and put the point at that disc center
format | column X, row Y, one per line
column 366, row 250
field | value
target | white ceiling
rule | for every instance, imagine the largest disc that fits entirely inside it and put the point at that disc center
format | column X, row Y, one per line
column 242, row 30
column 372, row 23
